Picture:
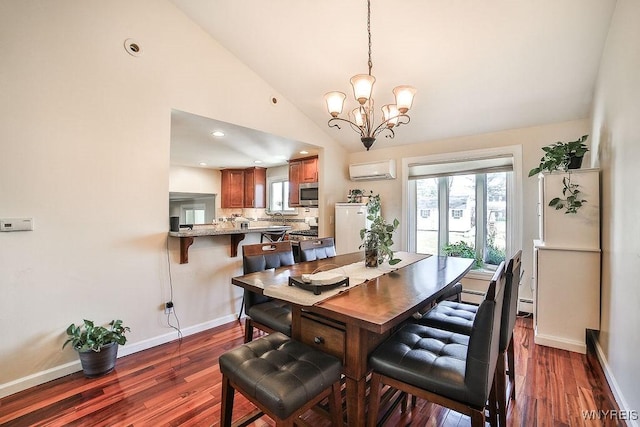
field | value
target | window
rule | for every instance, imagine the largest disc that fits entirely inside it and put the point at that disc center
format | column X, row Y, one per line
column 472, row 203
column 278, row 197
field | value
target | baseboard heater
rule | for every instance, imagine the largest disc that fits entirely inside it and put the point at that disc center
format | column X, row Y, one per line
column 472, row 292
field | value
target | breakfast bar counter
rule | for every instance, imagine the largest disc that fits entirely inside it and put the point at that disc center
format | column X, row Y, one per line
column 236, row 235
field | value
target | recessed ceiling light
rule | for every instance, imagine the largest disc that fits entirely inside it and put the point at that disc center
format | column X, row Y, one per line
column 257, row 162
column 217, row 133
column 304, row 152
column 202, row 164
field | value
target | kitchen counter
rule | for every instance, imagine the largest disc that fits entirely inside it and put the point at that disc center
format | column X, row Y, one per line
column 235, row 234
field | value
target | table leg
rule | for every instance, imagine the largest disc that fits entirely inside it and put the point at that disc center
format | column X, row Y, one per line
column 356, row 398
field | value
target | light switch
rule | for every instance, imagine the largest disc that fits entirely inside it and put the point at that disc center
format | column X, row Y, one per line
column 16, row 224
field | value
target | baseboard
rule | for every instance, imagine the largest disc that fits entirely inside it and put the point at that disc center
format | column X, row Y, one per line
column 56, row 372
column 561, row 343
column 613, row 384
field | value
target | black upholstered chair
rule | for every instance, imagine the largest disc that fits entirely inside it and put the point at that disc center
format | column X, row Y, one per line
column 452, row 294
column 449, row 369
column 506, row 369
column 265, row 313
column 281, row 377
column 313, row 249
column 458, row 317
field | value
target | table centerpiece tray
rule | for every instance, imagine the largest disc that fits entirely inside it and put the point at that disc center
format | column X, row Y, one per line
column 318, row 285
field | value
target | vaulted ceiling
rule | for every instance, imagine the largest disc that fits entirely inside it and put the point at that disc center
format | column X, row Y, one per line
column 479, row 66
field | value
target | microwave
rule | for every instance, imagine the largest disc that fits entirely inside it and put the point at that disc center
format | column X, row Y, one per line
column 308, row 194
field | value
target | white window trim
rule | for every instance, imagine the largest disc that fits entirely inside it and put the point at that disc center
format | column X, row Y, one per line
column 514, row 185
column 270, row 181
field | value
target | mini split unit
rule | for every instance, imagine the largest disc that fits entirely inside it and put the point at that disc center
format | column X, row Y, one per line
column 384, row 169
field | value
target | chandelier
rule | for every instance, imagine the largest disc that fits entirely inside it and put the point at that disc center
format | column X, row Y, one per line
column 362, row 119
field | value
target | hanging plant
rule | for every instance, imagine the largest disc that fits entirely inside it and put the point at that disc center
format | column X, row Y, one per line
column 572, row 200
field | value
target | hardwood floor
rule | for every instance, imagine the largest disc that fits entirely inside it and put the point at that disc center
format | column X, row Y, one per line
column 179, row 384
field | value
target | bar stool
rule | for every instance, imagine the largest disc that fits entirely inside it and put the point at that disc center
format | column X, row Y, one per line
column 282, row 377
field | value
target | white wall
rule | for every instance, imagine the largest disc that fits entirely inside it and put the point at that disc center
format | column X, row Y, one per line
column 616, row 126
column 84, row 143
column 531, row 139
column 183, row 179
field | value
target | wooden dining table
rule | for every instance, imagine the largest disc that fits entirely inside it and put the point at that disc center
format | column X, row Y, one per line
column 352, row 323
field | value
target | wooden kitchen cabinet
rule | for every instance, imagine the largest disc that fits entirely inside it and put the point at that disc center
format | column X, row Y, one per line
column 309, row 170
column 232, row 188
column 301, row 171
column 244, row 188
column 255, row 188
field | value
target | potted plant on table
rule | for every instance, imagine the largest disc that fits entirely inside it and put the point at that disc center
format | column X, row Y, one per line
column 377, row 242
column 97, row 346
column 564, row 156
column 378, row 238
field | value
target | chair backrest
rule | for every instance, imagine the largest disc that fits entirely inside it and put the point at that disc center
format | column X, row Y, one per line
column 484, row 341
column 510, row 305
column 311, row 250
column 260, row 257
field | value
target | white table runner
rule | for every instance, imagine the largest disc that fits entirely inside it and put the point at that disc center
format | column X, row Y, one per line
column 356, row 272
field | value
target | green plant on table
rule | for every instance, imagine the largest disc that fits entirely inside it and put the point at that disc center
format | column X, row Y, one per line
column 379, row 237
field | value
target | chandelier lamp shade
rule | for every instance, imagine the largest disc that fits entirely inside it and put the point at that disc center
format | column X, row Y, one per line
column 362, row 118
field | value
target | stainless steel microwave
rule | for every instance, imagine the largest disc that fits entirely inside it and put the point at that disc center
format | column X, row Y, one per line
column 308, row 194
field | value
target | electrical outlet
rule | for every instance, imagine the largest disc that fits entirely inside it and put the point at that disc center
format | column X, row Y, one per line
column 168, row 307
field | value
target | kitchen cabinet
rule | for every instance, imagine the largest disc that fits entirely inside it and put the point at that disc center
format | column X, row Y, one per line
column 244, row 188
column 301, row 171
column 309, row 170
column 255, row 187
column 566, row 264
column 232, row 188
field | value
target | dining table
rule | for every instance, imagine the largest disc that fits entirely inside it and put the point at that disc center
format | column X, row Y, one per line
column 351, row 320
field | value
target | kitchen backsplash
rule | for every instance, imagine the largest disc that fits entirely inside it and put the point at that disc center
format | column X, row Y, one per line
column 305, row 218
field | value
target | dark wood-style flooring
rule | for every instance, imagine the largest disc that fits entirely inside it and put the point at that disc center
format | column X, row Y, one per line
column 179, row 384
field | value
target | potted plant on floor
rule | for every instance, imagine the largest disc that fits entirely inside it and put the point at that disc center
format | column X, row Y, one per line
column 97, row 346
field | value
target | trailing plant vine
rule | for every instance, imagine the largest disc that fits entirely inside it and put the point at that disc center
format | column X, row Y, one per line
column 572, row 200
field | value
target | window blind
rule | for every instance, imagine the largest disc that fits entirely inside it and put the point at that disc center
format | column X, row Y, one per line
column 465, row 166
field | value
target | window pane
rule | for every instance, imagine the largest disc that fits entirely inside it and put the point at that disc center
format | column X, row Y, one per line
column 462, row 209
column 496, row 218
column 285, row 196
column 427, row 216
column 275, row 204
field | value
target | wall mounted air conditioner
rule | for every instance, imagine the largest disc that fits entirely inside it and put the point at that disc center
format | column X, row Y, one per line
column 385, row 169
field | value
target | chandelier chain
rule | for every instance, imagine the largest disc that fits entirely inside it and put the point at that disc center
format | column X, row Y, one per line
column 370, row 63
column 362, row 119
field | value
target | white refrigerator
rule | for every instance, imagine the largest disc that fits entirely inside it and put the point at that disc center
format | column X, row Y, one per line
column 350, row 219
